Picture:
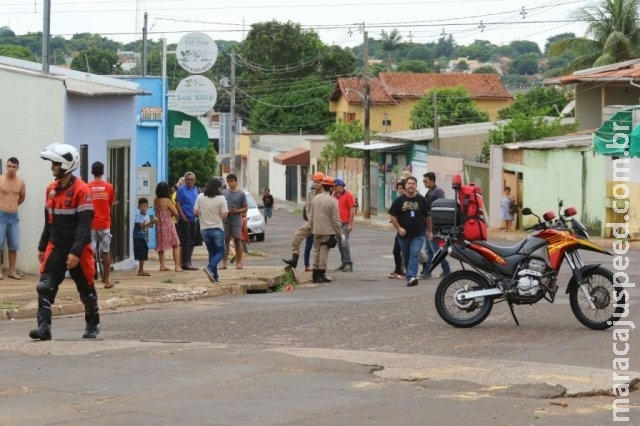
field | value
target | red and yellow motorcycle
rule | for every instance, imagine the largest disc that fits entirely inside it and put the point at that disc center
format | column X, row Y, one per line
column 526, row 273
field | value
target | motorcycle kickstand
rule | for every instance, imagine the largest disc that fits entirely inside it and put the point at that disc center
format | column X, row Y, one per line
column 513, row 314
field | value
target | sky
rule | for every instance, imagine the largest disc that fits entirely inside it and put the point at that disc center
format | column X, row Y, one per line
column 337, row 23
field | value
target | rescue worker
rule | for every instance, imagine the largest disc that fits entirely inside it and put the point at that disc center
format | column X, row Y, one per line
column 305, row 230
column 326, row 227
column 65, row 244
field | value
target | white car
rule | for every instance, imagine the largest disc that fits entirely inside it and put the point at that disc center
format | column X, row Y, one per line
column 255, row 221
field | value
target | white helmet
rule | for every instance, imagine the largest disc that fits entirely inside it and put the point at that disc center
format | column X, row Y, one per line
column 62, row 153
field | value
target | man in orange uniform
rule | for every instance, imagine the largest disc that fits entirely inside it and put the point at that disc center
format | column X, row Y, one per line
column 65, row 244
column 103, row 196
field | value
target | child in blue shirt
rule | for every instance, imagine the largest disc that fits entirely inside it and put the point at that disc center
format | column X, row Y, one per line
column 141, row 235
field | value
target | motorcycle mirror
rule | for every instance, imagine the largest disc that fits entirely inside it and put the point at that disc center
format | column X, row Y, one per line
column 526, row 211
column 560, row 204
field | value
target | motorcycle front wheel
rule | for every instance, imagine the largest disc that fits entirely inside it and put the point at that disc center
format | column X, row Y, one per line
column 465, row 313
column 603, row 293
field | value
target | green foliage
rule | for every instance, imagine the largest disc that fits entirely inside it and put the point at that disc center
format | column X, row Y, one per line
column 299, row 106
column 486, row 69
column 446, row 46
column 454, row 106
column 537, row 102
column 18, row 52
column 339, row 135
column 525, row 64
column 414, row 65
column 462, row 65
column 479, row 50
column 96, row 61
column 202, row 162
column 390, row 42
column 524, row 127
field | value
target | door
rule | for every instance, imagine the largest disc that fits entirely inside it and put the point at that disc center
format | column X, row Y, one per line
column 292, row 184
column 118, row 163
column 263, row 175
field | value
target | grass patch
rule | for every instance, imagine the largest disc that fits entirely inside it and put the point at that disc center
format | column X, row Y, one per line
column 9, row 305
column 289, row 278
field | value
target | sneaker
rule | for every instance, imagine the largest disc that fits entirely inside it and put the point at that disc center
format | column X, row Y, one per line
column 348, row 267
column 40, row 333
column 401, row 276
column 411, row 281
column 424, row 275
column 209, row 274
column 91, row 332
column 393, row 274
column 444, row 274
column 341, row 267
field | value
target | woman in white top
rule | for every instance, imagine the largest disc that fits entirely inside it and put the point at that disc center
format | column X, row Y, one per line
column 211, row 209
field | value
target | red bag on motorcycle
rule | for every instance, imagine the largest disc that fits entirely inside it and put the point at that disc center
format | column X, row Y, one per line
column 472, row 212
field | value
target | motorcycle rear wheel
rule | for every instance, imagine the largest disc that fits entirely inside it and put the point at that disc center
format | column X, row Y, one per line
column 467, row 313
column 603, row 293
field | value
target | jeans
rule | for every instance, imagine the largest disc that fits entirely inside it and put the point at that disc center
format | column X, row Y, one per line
column 9, row 223
column 213, row 239
column 343, row 245
column 431, row 247
column 308, row 245
column 411, row 247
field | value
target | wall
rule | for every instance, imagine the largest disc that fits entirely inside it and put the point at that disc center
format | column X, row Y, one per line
column 589, row 106
column 31, row 120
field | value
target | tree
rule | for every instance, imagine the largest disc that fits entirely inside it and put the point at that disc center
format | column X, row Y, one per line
column 414, row 65
column 522, row 47
column 96, row 61
column 389, row 43
column 485, row 69
column 297, row 106
column 462, row 65
column 18, row 52
column 479, row 50
column 339, row 135
column 445, row 46
column 526, row 64
column 454, row 106
column 612, row 35
column 537, row 102
column 202, row 162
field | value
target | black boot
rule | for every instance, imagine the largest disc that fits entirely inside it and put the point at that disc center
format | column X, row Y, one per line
column 322, row 278
column 348, row 267
column 43, row 332
column 91, row 332
column 341, row 267
column 315, row 276
column 293, row 262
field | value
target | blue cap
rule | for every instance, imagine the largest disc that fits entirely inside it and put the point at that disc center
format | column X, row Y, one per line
column 340, row 182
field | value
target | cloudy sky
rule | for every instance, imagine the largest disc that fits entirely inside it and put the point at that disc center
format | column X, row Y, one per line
column 337, row 22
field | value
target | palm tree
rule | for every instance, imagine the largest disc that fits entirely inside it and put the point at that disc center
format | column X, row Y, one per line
column 612, row 35
column 389, row 43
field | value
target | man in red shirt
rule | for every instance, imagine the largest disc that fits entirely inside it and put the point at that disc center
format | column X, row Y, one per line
column 103, row 196
column 347, row 211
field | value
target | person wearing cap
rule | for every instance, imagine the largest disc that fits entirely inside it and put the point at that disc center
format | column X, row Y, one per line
column 324, row 221
column 305, row 230
column 65, row 243
column 347, row 212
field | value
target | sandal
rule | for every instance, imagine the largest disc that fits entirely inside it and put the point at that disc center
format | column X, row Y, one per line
column 223, row 267
column 144, row 274
column 164, row 269
column 239, row 266
column 109, row 285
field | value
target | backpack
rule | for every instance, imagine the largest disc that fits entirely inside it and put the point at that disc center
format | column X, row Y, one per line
column 513, row 207
column 471, row 206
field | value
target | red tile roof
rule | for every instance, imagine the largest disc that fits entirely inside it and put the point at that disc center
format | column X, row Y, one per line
column 390, row 86
column 623, row 71
column 415, row 85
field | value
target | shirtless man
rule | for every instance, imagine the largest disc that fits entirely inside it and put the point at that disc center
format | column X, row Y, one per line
column 12, row 193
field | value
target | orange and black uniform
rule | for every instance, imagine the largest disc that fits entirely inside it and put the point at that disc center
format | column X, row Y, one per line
column 67, row 229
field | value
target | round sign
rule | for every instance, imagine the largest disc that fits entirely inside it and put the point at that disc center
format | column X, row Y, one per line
column 196, row 52
column 195, row 95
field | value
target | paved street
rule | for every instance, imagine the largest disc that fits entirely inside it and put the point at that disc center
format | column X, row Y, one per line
column 362, row 350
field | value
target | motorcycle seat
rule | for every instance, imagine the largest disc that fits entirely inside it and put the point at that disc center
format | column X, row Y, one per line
column 503, row 251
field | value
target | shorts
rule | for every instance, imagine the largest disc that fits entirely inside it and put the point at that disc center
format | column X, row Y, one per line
column 140, row 249
column 232, row 231
column 10, row 231
column 104, row 235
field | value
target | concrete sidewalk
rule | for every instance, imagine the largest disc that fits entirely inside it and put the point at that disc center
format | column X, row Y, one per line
column 18, row 298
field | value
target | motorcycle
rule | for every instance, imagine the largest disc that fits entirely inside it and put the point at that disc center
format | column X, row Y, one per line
column 526, row 273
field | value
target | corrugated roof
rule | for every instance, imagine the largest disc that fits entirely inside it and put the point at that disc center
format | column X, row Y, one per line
column 90, row 88
column 622, row 71
column 580, row 140
column 375, row 145
column 415, row 85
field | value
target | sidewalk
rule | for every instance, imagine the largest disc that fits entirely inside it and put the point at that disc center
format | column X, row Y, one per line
column 18, row 298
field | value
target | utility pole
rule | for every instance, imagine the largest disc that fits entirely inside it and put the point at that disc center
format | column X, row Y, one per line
column 144, row 46
column 232, row 113
column 436, row 124
column 46, row 29
column 366, row 172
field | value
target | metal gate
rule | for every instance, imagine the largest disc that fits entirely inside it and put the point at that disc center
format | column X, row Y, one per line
column 118, row 164
column 263, row 175
column 292, row 184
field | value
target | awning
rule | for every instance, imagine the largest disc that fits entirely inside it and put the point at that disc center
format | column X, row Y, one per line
column 616, row 136
column 295, row 157
column 92, row 88
column 377, row 146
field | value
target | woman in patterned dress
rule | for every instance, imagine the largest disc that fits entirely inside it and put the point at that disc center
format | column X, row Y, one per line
column 166, row 234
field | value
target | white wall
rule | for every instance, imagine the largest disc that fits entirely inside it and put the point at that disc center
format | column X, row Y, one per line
column 31, row 117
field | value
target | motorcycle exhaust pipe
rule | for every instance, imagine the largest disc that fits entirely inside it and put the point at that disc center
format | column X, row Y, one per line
column 478, row 293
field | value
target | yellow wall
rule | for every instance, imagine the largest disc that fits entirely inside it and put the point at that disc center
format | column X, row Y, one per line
column 400, row 112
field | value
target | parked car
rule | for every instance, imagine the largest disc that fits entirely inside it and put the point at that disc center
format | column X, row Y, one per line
column 255, row 220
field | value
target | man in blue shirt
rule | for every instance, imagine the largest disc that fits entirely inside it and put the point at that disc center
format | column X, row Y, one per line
column 187, row 221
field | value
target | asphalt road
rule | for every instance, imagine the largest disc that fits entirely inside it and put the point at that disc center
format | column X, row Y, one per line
column 364, row 349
